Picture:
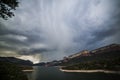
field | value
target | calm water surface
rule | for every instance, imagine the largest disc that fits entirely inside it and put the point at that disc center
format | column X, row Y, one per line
column 53, row 73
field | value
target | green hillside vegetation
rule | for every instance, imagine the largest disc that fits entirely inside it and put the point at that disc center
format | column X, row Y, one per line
column 10, row 71
column 110, row 64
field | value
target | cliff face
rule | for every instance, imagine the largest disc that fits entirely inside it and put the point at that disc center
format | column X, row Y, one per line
column 104, row 58
column 104, row 53
column 105, row 49
column 108, row 48
column 82, row 53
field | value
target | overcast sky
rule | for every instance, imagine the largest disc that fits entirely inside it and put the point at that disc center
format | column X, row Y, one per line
column 44, row 30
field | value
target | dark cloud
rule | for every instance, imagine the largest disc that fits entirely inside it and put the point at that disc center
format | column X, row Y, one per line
column 111, row 28
column 59, row 28
column 8, row 36
column 34, row 51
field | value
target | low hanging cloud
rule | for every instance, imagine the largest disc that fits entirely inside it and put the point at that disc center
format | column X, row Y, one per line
column 58, row 28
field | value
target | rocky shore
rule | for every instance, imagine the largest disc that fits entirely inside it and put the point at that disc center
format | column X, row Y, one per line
column 90, row 71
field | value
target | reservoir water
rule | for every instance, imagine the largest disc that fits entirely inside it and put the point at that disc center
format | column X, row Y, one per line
column 53, row 73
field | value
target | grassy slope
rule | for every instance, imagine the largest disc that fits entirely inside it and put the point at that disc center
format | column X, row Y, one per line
column 111, row 64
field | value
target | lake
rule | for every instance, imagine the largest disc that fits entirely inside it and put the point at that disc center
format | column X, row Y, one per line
column 53, row 73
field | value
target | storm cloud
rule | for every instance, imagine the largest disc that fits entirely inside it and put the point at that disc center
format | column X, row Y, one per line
column 58, row 28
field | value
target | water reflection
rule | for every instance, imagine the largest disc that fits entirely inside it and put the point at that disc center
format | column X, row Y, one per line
column 32, row 75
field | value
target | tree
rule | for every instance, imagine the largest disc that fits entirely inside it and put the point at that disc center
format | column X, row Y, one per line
column 7, row 7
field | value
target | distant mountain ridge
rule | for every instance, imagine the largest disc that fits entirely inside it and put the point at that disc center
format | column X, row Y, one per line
column 108, row 52
column 108, row 48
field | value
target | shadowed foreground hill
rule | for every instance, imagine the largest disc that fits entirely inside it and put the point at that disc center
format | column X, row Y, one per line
column 10, row 71
column 16, row 61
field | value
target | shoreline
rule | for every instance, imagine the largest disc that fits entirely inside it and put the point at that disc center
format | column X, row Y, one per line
column 31, row 70
column 90, row 71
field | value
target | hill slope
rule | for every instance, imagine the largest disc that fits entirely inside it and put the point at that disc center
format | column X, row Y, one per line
column 107, row 57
